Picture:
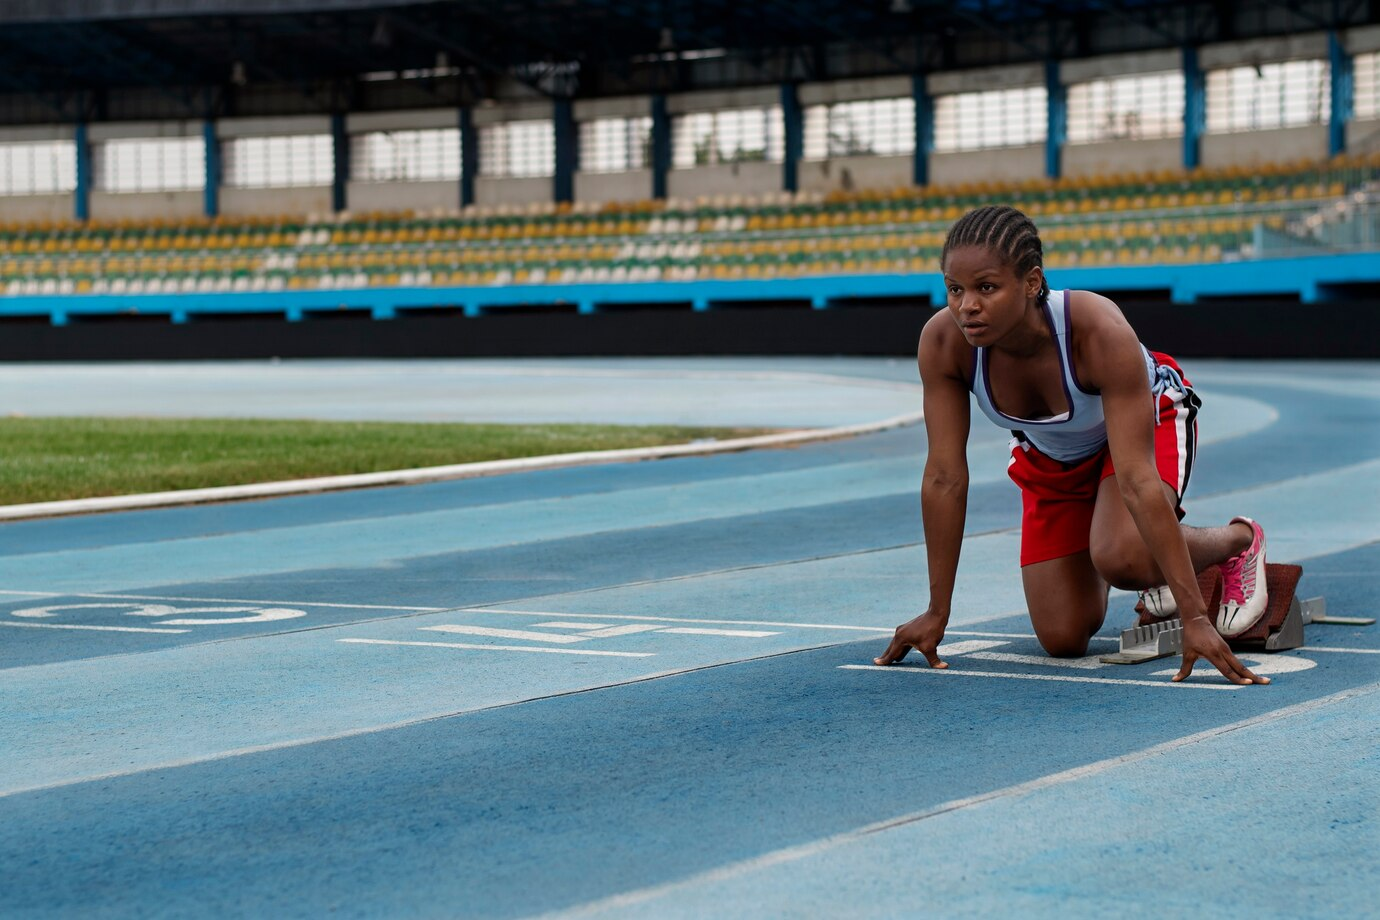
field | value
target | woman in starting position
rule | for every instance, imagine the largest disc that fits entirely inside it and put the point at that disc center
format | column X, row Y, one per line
column 1103, row 444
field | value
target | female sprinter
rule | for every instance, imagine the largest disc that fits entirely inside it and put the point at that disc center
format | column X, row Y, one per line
column 1103, row 443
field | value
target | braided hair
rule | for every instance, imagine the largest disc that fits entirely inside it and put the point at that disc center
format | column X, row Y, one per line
column 1004, row 230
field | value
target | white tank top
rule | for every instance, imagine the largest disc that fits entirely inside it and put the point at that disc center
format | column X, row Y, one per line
column 1069, row 436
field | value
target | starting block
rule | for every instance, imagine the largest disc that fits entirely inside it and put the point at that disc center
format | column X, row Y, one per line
column 1280, row 628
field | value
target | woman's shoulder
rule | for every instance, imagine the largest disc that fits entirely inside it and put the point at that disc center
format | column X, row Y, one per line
column 944, row 349
column 1093, row 315
column 1092, row 305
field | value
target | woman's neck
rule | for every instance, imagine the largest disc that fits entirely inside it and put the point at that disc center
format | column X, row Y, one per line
column 1030, row 336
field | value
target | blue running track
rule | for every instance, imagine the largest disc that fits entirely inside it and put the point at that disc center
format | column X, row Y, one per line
column 644, row 690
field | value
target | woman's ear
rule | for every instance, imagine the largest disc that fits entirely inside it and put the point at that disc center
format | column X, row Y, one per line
column 1034, row 282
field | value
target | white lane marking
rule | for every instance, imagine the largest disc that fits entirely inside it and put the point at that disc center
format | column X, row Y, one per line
column 503, row 648
column 968, row 646
column 612, row 631
column 1064, row 678
column 841, row 626
column 1089, row 663
column 998, row 635
column 133, row 629
column 228, row 600
column 562, row 625
column 692, row 631
column 466, row 630
column 650, row 619
column 1347, row 651
column 640, row 896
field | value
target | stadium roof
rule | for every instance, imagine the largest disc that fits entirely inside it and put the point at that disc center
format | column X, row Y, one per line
column 596, row 47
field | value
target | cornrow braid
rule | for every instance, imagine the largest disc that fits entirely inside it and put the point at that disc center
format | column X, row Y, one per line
column 1004, row 230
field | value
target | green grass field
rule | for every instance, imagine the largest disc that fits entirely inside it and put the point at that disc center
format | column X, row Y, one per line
column 47, row 459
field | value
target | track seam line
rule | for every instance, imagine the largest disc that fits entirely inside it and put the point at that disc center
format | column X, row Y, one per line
column 642, row 896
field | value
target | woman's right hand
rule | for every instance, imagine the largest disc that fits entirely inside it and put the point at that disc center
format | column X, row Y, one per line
column 923, row 633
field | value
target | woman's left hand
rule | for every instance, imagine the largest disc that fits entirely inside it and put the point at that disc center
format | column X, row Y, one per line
column 1201, row 640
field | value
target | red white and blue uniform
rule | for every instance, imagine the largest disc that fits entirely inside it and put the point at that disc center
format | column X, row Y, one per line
column 1060, row 461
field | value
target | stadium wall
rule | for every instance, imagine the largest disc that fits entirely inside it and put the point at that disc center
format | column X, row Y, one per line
column 848, row 173
column 724, row 179
column 489, row 190
column 400, row 196
column 635, row 185
column 1001, row 164
column 36, row 207
column 1363, row 136
column 252, row 202
column 145, row 205
column 1082, row 160
column 1249, row 148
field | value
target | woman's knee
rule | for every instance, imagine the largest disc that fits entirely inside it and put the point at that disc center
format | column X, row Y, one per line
column 1124, row 562
column 1064, row 643
column 1067, row 602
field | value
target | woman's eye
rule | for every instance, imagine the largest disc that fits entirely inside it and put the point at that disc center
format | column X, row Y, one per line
column 955, row 291
column 987, row 287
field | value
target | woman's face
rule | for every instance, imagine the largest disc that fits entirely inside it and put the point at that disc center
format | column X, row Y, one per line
column 986, row 298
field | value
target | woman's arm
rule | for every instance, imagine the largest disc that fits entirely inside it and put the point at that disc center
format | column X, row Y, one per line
column 944, row 489
column 1114, row 363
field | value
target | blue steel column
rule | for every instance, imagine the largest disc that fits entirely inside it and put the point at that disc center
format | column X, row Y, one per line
column 340, row 144
column 567, row 150
column 1195, row 108
column 924, row 129
column 1057, row 120
column 794, row 118
column 469, row 156
column 211, row 199
column 1342, row 88
column 661, row 145
column 82, row 195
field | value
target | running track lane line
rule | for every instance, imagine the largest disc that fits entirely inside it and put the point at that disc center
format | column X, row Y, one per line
column 640, row 896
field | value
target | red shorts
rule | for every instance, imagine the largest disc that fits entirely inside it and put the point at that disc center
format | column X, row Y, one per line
column 1058, row 498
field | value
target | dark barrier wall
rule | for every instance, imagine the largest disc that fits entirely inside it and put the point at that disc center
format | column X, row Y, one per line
column 1219, row 329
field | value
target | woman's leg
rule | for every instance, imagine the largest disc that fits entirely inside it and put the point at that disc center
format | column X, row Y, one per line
column 1121, row 556
column 1068, row 602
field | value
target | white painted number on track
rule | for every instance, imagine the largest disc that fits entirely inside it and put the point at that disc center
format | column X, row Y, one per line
column 180, row 615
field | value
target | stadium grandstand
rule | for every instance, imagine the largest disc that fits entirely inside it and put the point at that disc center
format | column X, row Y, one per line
column 206, row 178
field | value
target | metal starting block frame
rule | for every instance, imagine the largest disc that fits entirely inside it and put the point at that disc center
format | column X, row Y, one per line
column 1160, row 640
column 1280, row 628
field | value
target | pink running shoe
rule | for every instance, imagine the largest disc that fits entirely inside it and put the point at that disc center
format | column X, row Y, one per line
column 1243, row 586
